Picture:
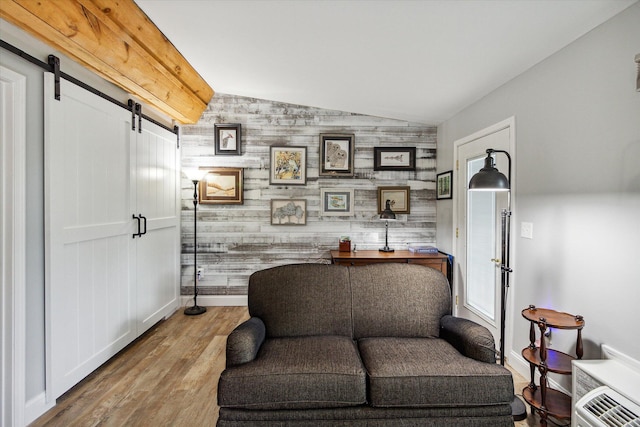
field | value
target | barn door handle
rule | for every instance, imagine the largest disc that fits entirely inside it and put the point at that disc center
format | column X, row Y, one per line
column 144, row 218
column 138, row 233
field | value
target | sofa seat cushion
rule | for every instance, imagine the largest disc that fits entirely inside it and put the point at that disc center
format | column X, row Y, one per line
column 429, row 372
column 297, row 373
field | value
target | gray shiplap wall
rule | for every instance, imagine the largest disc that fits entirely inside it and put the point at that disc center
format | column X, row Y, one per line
column 236, row 240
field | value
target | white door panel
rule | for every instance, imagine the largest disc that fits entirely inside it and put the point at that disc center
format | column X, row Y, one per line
column 88, row 233
column 477, row 221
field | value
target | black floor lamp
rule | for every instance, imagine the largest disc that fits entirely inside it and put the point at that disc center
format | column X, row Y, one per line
column 490, row 179
column 195, row 176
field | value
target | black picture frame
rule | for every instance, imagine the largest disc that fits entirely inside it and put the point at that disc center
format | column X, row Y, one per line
column 394, row 159
column 336, row 154
column 444, row 185
column 228, row 139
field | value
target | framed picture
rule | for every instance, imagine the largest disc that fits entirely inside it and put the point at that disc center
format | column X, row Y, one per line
column 336, row 202
column 444, row 185
column 399, row 197
column 221, row 186
column 228, row 139
column 394, row 159
column 336, row 154
column 288, row 165
column 288, row 212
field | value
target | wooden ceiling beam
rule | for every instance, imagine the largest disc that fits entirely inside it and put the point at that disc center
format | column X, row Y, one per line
column 116, row 40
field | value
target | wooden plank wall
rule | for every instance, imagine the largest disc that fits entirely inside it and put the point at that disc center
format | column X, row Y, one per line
column 236, row 240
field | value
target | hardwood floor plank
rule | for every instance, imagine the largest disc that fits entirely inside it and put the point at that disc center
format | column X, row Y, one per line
column 167, row 377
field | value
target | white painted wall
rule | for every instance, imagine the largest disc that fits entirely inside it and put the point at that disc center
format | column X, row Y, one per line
column 578, row 181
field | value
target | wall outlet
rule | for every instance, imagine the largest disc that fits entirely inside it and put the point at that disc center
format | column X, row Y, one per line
column 526, row 230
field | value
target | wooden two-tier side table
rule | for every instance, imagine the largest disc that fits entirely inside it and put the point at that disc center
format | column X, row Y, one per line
column 544, row 399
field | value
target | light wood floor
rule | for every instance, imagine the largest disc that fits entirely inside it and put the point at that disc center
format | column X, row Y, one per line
column 168, row 377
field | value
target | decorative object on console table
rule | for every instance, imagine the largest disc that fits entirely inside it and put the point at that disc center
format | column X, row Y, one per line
column 344, row 245
column 394, row 159
column 387, row 215
column 543, row 399
column 490, row 179
column 228, row 139
column 336, row 154
column 444, row 185
column 195, row 175
column 419, row 248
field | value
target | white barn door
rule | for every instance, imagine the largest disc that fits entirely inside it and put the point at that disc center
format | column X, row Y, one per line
column 156, row 184
column 88, row 229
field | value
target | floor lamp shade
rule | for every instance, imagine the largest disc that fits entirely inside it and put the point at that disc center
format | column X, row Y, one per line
column 489, row 178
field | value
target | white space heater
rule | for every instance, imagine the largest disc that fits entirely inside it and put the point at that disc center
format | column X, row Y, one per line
column 606, row 392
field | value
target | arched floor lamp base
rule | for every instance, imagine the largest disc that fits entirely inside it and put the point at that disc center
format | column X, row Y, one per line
column 194, row 310
column 518, row 410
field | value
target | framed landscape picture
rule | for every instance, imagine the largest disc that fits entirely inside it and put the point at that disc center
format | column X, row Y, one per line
column 336, row 202
column 399, row 197
column 227, row 139
column 222, row 186
column 444, row 182
column 394, row 159
column 336, row 154
column 288, row 212
column 288, row 165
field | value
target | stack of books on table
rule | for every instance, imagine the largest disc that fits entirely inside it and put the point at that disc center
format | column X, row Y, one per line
column 418, row 248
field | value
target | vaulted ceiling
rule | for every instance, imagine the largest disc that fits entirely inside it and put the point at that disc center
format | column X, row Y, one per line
column 420, row 61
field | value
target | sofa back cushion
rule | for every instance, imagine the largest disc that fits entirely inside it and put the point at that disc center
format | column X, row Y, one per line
column 302, row 300
column 398, row 300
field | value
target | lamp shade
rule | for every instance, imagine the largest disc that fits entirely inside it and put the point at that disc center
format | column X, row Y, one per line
column 194, row 174
column 387, row 213
column 489, row 178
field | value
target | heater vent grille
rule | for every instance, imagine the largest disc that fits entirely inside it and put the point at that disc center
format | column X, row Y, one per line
column 610, row 412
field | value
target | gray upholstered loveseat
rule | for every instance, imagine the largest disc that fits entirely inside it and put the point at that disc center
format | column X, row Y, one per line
column 376, row 345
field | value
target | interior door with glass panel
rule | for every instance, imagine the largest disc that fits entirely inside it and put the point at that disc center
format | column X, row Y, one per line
column 478, row 240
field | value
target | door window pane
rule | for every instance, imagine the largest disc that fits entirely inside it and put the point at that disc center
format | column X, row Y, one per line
column 481, row 232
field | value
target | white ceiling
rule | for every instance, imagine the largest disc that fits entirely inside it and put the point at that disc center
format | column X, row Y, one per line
column 420, row 61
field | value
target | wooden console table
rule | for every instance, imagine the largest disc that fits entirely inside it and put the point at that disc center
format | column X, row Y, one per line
column 438, row 261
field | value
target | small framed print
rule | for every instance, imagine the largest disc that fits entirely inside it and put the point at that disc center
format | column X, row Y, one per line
column 288, row 165
column 444, row 185
column 336, row 202
column 336, row 154
column 288, row 212
column 399, row 197
column 394, row 159
column 221, row 186
column 228, row 139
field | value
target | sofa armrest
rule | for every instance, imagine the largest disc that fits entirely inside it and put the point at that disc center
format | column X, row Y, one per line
column 469, row 338
column 244, row 341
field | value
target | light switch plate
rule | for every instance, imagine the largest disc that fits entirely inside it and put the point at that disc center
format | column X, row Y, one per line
column 526, row 230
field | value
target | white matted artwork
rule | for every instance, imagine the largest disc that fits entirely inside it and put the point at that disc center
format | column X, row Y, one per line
column 337, row 202
column 288, row 212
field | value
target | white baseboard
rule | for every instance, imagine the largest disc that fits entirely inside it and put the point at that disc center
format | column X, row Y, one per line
column 36, row 407
column 215, row 300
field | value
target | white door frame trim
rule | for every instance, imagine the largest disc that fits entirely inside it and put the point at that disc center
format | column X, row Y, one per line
column 13, row 281
column 509, row 123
